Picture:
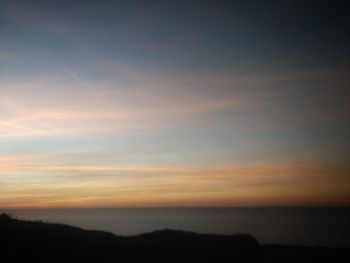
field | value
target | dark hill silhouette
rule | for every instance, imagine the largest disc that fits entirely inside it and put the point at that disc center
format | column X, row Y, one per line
column 44, row 242
column 26, row 241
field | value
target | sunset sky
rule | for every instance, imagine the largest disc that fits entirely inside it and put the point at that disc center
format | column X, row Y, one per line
column 174, row 103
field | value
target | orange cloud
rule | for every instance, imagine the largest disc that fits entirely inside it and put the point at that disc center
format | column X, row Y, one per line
column 64, row 185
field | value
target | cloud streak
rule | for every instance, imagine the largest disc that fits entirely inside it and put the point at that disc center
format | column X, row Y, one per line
column 23, row 128
column 80, row 185
column 139, row 106
column 145, row 102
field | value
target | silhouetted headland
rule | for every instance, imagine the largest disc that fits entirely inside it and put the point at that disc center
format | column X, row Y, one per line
column 35, row 241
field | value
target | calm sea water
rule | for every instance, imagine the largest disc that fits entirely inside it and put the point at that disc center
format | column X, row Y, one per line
column 300, row 226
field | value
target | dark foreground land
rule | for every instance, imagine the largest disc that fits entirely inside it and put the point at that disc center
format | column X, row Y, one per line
column 25, row 241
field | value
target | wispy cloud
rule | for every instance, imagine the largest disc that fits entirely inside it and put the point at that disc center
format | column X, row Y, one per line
column 61, row 184
column 146, row 101
column 27, row 130
column 113, row 108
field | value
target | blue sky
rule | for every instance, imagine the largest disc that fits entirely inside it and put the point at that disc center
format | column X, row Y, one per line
column 163, row 103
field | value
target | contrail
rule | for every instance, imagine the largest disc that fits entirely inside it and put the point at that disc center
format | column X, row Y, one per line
column 8, row 124
column 71, row 73
column 11, row 105
column 67, row 69
column 43, row 122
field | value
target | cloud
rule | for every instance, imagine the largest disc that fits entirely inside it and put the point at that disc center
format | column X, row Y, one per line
column 44, row 182
column 57, row 106
column 148, row 101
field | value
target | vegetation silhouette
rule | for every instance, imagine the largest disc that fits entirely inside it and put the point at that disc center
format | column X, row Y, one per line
column 35, row 241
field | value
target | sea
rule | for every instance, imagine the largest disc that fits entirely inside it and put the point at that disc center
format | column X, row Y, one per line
column 317, row 226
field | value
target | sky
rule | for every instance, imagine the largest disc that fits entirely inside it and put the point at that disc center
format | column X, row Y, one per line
column 174, row 103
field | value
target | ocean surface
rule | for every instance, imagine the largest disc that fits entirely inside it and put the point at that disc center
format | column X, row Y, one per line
column 298, row 226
